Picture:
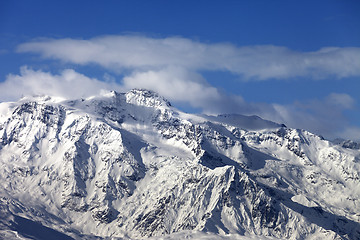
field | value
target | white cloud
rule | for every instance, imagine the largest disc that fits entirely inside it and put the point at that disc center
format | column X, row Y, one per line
column 251, row 62
column 68, row 84
column 350, row 132
column 341, row 100
column 172, row 66
column 324, row 116
column 182, row 86
column 176, row 84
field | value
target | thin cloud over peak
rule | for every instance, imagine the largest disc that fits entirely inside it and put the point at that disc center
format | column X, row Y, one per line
column 323, row 116
column 175, row 68
column 262, row 62
column 67, row 84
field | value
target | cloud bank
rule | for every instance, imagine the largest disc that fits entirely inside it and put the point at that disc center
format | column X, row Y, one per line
column 68, row 84
column 322, row 116
column 172, row 67
column 249, row 62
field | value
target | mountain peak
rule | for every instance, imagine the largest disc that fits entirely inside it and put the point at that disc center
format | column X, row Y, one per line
column 143, row 97
column 127, row 165
column 42, row 98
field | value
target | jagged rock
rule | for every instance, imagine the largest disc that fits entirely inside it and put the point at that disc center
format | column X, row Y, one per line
column 131, row 165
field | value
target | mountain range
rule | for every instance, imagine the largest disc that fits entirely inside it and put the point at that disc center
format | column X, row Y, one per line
column 131, row 166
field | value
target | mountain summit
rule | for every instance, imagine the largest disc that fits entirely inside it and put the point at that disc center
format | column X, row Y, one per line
column 129, row 165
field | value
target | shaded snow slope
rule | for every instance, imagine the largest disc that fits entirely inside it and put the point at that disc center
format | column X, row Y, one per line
column 250, row 123
column 129, row 165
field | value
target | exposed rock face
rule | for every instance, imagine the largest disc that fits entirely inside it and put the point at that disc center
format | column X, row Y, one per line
column 129, row 165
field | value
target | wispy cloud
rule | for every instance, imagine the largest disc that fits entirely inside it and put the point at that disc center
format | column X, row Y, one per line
column 250, row 62
column 172, row 67
column 176, row 84
column 68, row 84
column 349, row 132
column 322, row 116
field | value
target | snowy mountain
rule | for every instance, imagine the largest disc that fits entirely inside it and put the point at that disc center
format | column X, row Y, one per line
column 130, row 166
column 347, row 143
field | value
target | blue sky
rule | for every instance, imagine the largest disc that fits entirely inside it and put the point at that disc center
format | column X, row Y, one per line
column 296, row 62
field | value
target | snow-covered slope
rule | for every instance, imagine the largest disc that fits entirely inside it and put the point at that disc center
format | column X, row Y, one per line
column 129, row 165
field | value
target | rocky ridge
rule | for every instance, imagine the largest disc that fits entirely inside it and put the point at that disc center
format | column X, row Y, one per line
column 129, row 165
